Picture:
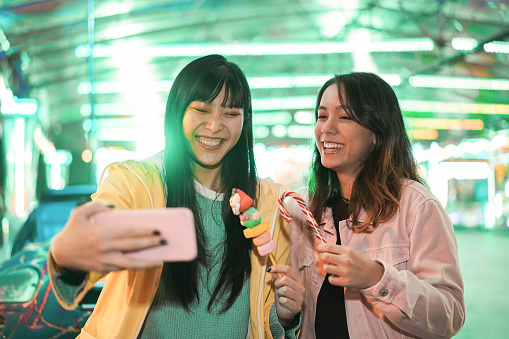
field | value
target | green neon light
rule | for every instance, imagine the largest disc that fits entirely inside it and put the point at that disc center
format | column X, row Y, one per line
column 468, row 44
column 194, row 50
column 304, row 117
column 273, row 118
column 450, row 107
column 279, row 131
column 20, row 106
column 260, row 132
column 436, row 81
column 105, row 87
column 267, row 104
column 106, row 109
column 305, row 132
column 422, row 134
column 464, row 44
column 497, row 47
column 445, row 124
column 308, row 102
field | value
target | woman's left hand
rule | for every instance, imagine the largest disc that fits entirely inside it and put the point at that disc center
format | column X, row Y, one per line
column 348, row 267
column 289, row 293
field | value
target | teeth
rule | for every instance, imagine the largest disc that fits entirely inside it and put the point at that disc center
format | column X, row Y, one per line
column 332, row 145
column 209, row 142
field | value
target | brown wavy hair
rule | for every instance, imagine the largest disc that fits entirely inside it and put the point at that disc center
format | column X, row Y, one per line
column 372, row 103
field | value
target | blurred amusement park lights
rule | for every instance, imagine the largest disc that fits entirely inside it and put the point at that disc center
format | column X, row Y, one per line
column 194, row 50
column 293, row 81
column 435, row 81
column 468, row 44
column 308, row 102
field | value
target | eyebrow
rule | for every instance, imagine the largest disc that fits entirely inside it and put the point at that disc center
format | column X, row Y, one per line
column 325, row 108
column 200, row 101
column 210, row 103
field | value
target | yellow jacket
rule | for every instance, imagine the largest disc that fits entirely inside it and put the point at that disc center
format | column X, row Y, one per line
column 127, row 295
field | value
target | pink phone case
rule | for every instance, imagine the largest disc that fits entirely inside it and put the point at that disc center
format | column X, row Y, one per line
column 175, row 224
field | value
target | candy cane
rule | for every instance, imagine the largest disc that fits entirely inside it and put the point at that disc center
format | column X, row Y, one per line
column 309, row 216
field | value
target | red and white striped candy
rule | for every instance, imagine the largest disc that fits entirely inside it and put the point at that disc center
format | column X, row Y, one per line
column 309, row 216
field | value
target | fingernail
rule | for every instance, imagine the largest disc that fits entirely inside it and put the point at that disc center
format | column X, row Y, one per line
column 110, row 205
column 163, row 242
column 156, row 233
column 269, row 269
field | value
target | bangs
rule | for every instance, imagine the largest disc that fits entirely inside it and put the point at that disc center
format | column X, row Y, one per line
column 350, row 99
column 210, row 87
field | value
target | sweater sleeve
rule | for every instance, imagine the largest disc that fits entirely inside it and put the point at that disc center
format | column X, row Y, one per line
column 426, row 298
column 278, row 331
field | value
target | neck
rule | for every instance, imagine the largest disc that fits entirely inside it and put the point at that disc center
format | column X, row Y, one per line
column 209, row 177
column 346, row 182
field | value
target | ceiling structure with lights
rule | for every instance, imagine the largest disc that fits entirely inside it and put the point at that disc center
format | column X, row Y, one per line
column 106, row 66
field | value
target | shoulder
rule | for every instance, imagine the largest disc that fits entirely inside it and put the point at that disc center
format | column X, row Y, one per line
column 267, row 187
column 415, row 194
column 415, row 190
column 132, row 184
column 129, row 168
column 132, row 174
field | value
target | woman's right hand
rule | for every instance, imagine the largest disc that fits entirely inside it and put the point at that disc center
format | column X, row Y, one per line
column 289, row 289
column 348, row 267
column 85, row 246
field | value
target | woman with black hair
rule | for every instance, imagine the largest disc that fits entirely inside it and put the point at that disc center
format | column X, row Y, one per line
column 225, row 292
column 389, row 268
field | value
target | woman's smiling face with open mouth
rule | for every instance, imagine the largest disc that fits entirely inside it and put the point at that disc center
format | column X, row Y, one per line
column 212, row 130
column 343, row 143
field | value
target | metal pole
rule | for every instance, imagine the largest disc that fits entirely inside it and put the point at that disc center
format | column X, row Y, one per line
column 91, row 140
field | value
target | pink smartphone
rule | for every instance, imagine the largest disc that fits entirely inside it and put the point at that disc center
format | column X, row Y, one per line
column 175, row 224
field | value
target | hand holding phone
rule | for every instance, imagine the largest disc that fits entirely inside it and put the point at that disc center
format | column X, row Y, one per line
column 176, row 226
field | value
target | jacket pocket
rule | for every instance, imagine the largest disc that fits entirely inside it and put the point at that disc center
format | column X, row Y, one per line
column 396, row 255
column 306, row 254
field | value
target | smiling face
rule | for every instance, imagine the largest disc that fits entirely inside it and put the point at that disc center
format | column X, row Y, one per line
column 212, row 130
column 343, row 144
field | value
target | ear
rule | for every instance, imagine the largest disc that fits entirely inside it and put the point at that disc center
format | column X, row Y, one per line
column 373, row 135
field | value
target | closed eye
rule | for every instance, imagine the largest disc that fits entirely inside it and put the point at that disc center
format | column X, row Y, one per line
column 232, row 114
column 200, row 110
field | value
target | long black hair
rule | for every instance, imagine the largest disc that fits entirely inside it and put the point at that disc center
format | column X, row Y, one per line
column 203, row 80
column 372, row 103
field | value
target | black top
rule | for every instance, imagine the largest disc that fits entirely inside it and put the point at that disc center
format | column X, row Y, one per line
column 330, row 318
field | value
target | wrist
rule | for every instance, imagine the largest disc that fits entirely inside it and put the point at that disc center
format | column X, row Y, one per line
column 378, row 273
column 52, row 254
column 291, row 322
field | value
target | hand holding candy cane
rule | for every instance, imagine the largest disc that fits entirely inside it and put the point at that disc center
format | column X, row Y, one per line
column 289, row 288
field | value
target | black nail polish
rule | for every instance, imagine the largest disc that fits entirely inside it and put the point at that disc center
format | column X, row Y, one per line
column 269, row 269
column 156, row 233
column 110, row 205
column 163, row 242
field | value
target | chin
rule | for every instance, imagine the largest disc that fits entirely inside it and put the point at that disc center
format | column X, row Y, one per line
column 208, row 164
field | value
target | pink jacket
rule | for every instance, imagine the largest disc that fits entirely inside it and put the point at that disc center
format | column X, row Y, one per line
column 421, row 292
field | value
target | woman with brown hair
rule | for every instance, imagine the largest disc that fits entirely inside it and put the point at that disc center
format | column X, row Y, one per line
column 389, row 268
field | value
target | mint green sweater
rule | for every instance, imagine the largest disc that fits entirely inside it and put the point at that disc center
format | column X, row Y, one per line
column 168, row 319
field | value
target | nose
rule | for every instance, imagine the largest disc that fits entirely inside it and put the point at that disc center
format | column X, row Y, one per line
column 329, row 127
column 214, row 123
